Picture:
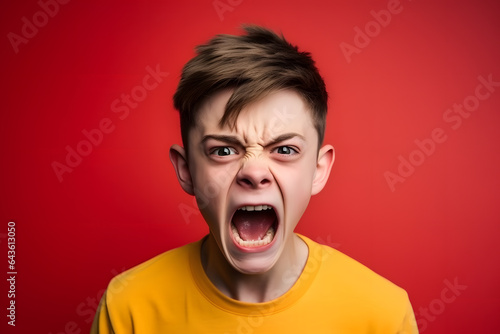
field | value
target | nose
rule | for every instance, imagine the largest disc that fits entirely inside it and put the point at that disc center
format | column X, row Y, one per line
column 254, row 175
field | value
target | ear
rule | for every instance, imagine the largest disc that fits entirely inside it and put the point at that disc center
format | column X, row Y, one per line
column 179, row 161
column 326, row 157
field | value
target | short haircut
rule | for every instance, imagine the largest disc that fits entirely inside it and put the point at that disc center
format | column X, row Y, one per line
column 254, row 65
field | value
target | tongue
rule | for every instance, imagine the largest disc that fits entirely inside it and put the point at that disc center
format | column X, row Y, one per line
column 253, row 225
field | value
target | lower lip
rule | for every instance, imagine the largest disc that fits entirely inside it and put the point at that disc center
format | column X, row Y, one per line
column 256, row 249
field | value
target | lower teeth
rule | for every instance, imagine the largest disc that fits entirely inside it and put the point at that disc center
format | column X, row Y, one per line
column 268, row 237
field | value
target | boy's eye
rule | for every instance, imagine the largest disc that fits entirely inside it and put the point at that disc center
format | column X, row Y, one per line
column 223, row 151
column 286, row 150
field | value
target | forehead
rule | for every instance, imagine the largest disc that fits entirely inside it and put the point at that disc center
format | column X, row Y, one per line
column 280, row 112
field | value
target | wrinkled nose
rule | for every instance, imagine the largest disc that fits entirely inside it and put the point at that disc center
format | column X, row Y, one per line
column 254, row 175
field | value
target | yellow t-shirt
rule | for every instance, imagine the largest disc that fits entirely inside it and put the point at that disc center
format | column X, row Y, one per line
column 172, row 294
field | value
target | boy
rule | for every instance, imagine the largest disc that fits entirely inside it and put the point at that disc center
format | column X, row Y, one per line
column 253, row 111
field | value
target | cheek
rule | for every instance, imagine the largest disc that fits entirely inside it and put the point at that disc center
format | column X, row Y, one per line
column 299, row 199
column 296, row 184
column 210, row 180
column 211, row 185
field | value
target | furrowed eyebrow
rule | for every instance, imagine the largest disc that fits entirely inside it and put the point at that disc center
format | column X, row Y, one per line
column 284, row 137
column 226, row 139
column 235, row 141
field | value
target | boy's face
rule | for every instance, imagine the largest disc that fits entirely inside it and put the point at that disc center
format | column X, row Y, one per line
column 253, row 181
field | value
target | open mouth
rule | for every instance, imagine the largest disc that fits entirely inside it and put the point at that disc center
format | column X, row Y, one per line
column 254, row 225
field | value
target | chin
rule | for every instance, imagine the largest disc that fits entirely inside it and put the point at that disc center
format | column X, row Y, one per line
column 254, row 266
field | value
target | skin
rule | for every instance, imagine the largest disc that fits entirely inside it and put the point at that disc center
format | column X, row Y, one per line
column 270, row 156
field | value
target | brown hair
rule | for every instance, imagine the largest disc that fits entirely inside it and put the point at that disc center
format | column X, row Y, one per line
column 254, row 65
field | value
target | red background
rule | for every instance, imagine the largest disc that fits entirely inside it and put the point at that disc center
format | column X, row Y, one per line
column 121, row 204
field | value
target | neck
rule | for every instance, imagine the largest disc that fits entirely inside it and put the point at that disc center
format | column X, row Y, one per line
column 255, row 288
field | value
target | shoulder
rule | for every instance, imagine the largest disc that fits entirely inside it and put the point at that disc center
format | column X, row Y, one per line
column 346, row 269
column 161, row 274
column 359, row 289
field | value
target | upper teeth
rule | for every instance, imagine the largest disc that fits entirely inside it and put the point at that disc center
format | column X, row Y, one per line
column 255, row 207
